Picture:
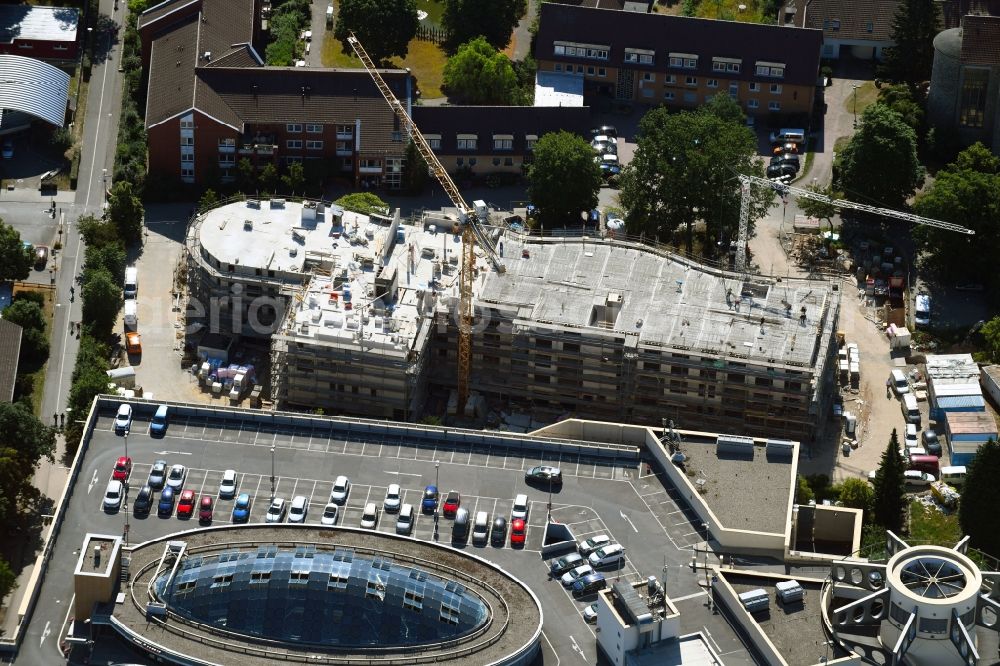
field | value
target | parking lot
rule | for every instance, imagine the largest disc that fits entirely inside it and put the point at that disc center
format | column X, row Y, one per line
column 620, row 498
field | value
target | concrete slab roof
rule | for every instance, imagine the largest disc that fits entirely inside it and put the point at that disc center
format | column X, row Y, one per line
column 52, row 24
column 666, row 301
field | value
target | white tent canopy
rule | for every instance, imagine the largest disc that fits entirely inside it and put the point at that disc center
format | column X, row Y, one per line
column 34, row 87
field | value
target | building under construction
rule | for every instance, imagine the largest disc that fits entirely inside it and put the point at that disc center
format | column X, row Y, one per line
column 600, row 328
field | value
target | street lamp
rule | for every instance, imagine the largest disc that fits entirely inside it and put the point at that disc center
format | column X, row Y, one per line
column 437, row 467
column 272, row 474
column 855, row 105
column 125, row 499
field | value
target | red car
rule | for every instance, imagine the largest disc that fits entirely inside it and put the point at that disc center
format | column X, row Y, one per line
column 451, row 503
column 123, row 467
column 517, row 530
column 205, row 510
column 185, row 506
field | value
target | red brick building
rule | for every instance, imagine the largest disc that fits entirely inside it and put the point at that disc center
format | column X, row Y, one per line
column 42, row 33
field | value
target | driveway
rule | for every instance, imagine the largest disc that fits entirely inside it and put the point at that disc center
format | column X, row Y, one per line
column 318, row 27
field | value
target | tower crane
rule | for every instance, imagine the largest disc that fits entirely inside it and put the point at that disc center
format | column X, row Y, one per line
column 473, row 232
column 746, row 181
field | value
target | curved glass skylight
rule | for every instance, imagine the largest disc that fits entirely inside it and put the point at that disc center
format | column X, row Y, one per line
column 933, row 577
column 331, row 598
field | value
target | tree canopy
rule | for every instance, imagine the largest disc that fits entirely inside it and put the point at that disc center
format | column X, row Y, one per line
column 683, row 171
column 365, row 203
column 102, row 299
column 904, row 101
column 563, row 180
column 125, row 211
column 980, row 499
column 24, row 441
column 966, row 192
column 879, row 165
column 857, row 494
column 15, row 259
column 889, row 498
column 494, row 20
column 821, row 210
column 914, row 27
column 384, row 27
column 479, row 74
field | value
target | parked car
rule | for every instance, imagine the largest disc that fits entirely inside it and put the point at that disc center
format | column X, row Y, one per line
column 589, row 584
column 544, row 475
column 481, row 528
column 165, row 508
column 185, row 504
column 576, row 573
column 123, row 468
column 341, row 489
column 298, row 509
column 565, row 563
column 143, row 501
column 609, row 166
column 227, row 487
column 604, row 138
column 276, row 512
column 781, row 171
column 498, row 533
column 590, row 613
column 604, row 130
column 593, row 543
column 931, row 442
column 41, row 257
column 914, row 477
column 518, row 529
column 158, row 426
column 241, row 509
column 157, row 475
column 910, row 438
column 451, row 503
column 206, row 509
column 369, row 519
column 330, row 513
column 133, row 343
column 113, row 495
column 123, row 420
column 393, row 498
column 429, row 503
column 176, row 476
column 611, row 554
column 604, row 147
column 404, row 520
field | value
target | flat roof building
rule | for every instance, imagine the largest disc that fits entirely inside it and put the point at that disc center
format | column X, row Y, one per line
column 45, row 33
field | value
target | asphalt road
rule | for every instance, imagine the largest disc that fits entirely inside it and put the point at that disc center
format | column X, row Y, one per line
column 620, row 500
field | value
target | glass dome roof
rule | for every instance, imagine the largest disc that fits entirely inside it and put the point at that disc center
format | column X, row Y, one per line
column 333, row 598
column 933, row 577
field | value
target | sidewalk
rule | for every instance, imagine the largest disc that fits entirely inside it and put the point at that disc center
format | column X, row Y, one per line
column 32, row 195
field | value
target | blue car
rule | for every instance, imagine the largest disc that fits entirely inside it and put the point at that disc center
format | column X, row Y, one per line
column 241, row 510
column 166, row 505
column 158, row 427
column 430, row 502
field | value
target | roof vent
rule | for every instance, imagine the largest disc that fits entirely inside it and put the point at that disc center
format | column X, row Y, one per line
column 208, row 56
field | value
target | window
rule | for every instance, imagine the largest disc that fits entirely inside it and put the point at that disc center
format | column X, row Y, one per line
column 508, row 161
column 669, row 95
column 596, row 51
column 708, row 98
column 718, row 66
column 775, row 69
column 466, row 142
column 774, row 106
column 972, row 99
column 671, row 78
column 25, row 46
column 187, row 172
column 187, row 123
column 313, row 128
column 345, row 129
column 734, row 89
column 187, row 140
column 293, row 127
column 496, row 161
column 601, row 71
column 752, row 104
column 60, row 47
column 690, row 97
column 590, row 71
column 676, row 62
column 713, row 83
column 690, row 63
column 472, row 161
column 558, row 67
column 293, row 143
column 835, row 24
column 648, row 76
column 370, row 164
column 645, row 58
column 631, row 57
column 869, row 27
column 187, row 157
column 434, row 143
column 691, row 80
column 529, row 142
column 733, row 67
column 775, row 88
column 314, row 145
column 754, row 87
column 503, row 142
column 346, row 163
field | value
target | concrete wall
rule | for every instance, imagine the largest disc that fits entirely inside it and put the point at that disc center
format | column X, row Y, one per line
column 723, row 594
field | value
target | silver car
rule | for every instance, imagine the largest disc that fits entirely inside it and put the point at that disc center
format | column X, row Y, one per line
column 175, row 479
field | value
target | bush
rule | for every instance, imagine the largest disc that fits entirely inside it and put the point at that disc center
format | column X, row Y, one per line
column 74, row 168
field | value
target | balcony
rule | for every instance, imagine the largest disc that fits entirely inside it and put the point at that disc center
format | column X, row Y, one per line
column 345, row 136
column 226, row 164
column 246, row 149
column 227, row 145
column 265, row 149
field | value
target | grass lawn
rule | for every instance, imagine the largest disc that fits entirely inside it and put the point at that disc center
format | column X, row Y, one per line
column 729, row 10
column 434, row 9
column 37, row 378
column 867, row 94
column 425, row 59
column 928, row 525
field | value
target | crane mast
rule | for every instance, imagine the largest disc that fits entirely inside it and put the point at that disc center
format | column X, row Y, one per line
column 472, row 231
column 746, row 181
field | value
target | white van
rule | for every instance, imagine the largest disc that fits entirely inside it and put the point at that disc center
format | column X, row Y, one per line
column 898, row 380
column 911, row 411
column 520, row 508
column 788, row 135
column 922, row 310
column 953, row 476
column 131, row 315
column 131, row 282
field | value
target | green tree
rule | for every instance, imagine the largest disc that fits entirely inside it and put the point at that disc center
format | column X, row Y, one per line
column 96, row 231
column 415, row 174
column 384, row 27
column 857, row 494
column 110, row 257
column 15, row 259
column 980, row 499
column 479, row 74
column 102, row 299
column 24, row 441
column 8, row 581
column 803, row 492
column 125, row 211
column 295, row 178
column 966, row 192
column 563, row 180
column 683, row 171
column 25, row 313
column 28, row 314
column 246, row 175
column 903, row 100
column 494, row 21
column 889, row 498
column 991, row 335
column 209, row 199
column 268, row 178
column 879, row 165
column 821, row 210
column 365, row 203
column 914, row 27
